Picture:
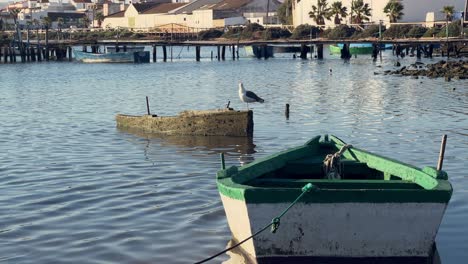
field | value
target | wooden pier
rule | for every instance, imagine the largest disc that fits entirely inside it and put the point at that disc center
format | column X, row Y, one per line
column 34, row 51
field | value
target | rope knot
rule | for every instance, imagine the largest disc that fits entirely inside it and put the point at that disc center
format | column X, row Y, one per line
column 332, row 164
column 275, row 224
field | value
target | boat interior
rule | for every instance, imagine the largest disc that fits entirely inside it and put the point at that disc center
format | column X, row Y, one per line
column 310, row 169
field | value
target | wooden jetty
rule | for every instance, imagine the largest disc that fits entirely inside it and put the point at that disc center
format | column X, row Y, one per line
column 61, row 50
column 218, row 122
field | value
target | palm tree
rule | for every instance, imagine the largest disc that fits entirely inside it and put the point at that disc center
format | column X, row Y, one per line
column 320, row 12
column 60, row 22
column 339, row 11
column 85, row 21
column 46, row 21
column 448, row 11
column 361, row 11
column 394, row 10
column 14, row 13
column 285, row 12
column 36, row 24
column 99, row 17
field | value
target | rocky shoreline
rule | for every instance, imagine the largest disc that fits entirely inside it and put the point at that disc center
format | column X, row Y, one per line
column 457, row 70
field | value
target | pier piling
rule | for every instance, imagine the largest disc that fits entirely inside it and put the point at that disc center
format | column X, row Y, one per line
column 319, row 51
column 164, row 53
column 154, row 53
column 233, row 52
column 223, row 52
column 197, row 52
column 303, row 51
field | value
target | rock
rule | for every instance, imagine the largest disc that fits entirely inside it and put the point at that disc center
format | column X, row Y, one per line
column 414, row 77
column 397, row 64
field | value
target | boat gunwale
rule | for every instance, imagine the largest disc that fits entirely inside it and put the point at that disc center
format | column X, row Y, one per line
column 235, row 182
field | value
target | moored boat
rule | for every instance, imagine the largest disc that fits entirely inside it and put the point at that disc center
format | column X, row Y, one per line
column 353, row 204
column 354, row 48
column 108, row 57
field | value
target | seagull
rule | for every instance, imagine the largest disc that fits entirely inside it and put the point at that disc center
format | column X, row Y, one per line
column 248, row 96
column 330, row 70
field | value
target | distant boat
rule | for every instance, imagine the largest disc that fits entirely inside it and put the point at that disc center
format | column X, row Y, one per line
column 354, row 48
column 349, row 203
column 123, row 55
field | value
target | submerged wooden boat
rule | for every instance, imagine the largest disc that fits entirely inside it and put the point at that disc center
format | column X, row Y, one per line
column 364, row 205
column 216, row 122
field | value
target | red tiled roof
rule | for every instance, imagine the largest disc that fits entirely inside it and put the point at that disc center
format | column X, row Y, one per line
column 163, row 8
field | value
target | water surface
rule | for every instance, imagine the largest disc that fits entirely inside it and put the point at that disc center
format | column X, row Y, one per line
column 74, row 189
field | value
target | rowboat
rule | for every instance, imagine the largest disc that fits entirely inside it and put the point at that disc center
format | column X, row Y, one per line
column 108, row 57
column 335, row 201
column 354, row 48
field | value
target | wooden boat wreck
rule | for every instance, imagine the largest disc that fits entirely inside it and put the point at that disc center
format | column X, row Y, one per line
column 355, row 204
column 218, row 122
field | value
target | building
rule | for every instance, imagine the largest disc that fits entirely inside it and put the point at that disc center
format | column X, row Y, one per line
column 415, row 11
column 196, row 15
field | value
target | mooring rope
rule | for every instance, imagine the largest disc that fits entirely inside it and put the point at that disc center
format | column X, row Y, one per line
column 332, row 165
column 275, row 223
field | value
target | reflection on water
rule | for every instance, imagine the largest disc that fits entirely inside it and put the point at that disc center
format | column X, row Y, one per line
column 241, row 148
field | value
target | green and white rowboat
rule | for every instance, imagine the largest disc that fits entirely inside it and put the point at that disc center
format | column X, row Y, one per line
column 366, row 206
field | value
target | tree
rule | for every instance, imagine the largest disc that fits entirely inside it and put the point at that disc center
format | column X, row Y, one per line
column 360, row 12
column 99, row 18
column 448, row 11
column 320, row 12
column 394, row 10
column 46, row 21
column 14, row 14
column 85, row 21
column 60, row 22
column 36, row 24
column 339, row 11
column 285, row 12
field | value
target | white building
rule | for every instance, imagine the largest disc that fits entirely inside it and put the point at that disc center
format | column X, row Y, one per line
column 415, row 11
column 196, row 15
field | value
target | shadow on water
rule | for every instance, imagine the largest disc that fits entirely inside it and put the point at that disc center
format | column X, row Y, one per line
column 237, row 256
column 240, row 147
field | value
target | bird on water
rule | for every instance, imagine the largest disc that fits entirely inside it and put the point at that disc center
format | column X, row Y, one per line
column 248, row 96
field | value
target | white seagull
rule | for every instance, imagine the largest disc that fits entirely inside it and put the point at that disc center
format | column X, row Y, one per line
column 248, row 96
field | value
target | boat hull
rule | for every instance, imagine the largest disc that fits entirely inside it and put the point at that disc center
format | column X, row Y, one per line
column 110, row 57
column 375, row 207
column 344, row 230
column 219, row 122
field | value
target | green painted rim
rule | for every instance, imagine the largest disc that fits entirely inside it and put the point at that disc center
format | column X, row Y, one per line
column 417, row 186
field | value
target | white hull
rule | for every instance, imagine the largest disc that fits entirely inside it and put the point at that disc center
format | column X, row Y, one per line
column 336, row 229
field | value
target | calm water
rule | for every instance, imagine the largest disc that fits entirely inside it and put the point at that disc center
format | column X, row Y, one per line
column 74, row 189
